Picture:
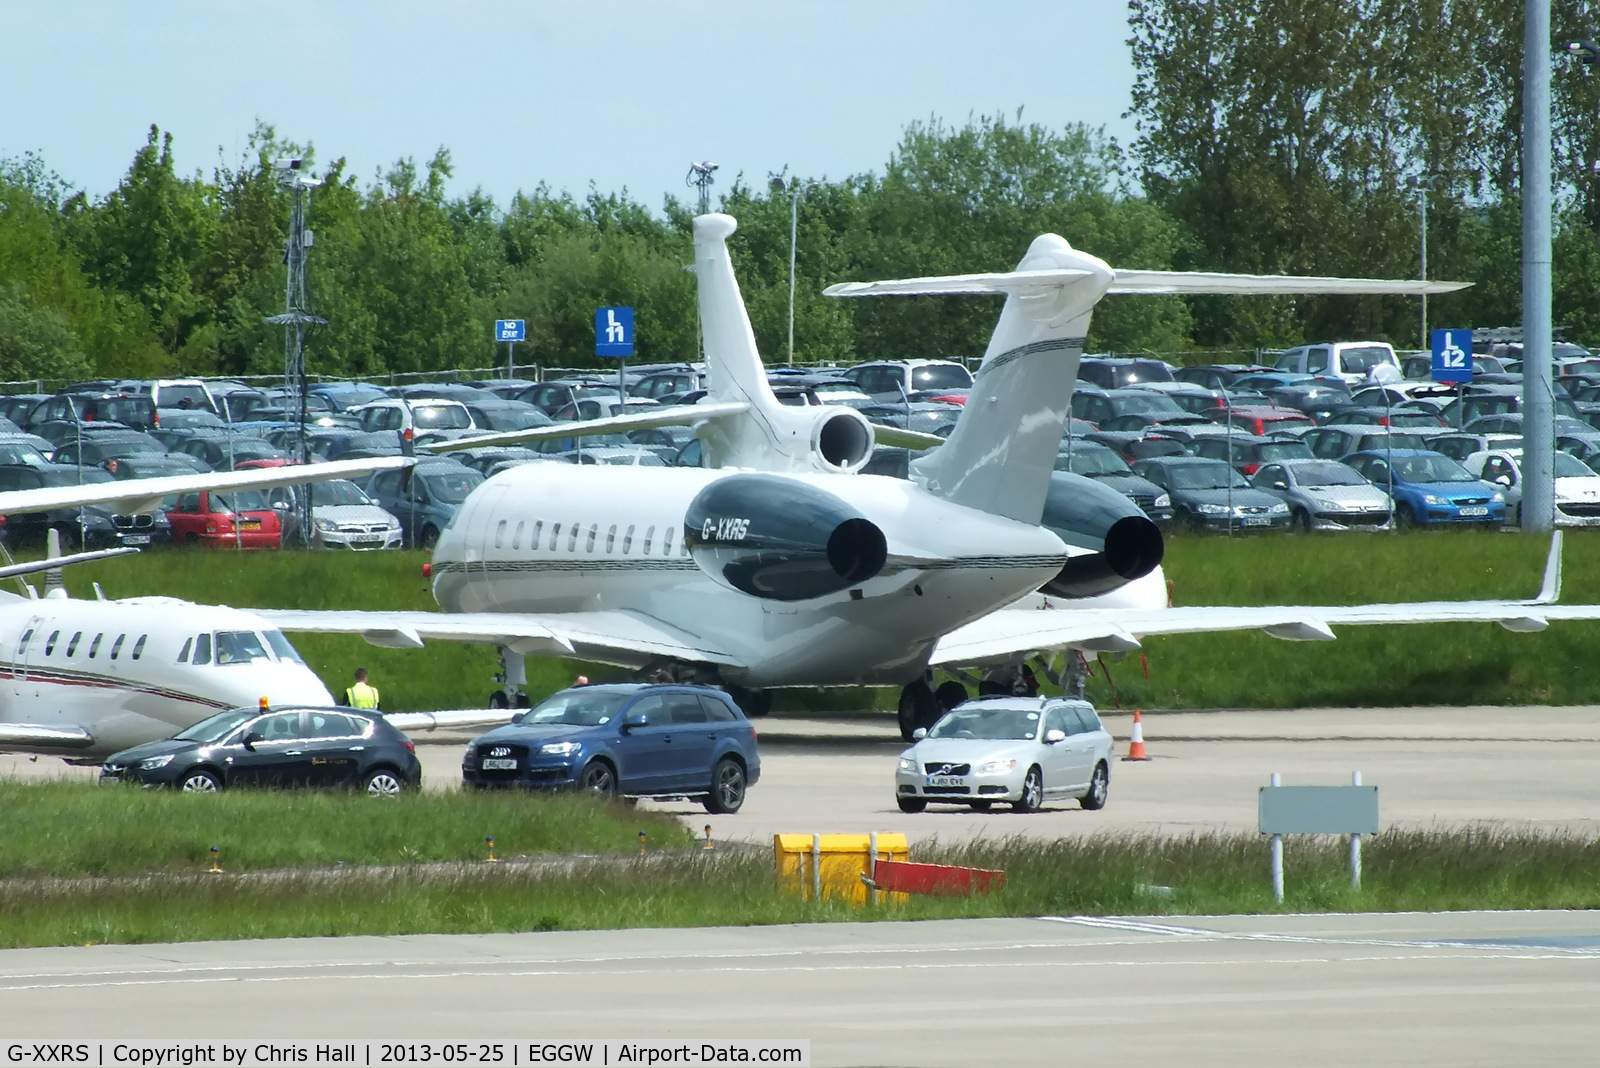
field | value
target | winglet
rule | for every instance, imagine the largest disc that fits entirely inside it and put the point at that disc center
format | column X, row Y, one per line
column 1550, row 592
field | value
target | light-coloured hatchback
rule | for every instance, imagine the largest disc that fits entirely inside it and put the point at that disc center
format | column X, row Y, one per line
column 1025, row 751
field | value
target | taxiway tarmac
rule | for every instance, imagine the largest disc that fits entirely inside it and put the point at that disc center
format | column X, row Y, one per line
column 1407, row 989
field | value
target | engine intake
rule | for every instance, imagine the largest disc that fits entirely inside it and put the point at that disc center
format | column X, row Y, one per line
column 780, row 539
column 1126, row 544
column 841, row 439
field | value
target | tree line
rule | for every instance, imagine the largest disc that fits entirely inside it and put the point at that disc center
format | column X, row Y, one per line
column 1272, row 136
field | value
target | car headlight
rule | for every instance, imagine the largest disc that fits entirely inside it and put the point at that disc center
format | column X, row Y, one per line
column 1278, row 509
column 1330, row 506
column 394, row 524
column 907, row 764
column 1431, row 499
column 560, row 748
column 327, row 526
column 1211, row 509
column 995, row 767
column 1163, row 501
column 1498, row 498
column 155, row 762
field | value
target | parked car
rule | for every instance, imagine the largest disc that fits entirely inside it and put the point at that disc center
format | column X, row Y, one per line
column 1115, row 372
column 1025, row 751
column 1095, row 461
column 493, row 414
column 550, row 397
column 658, row 384
column 342, row 516
column 415, row 416
column 625, row 740
column 225, row 519
column 225, row 452
column 1430, row 488
column 155, row 465
column 1325, row 495
column 1459, row 446
column 1263, row 421
column 424, row 499
column 100, row 446
column 1577, row 486
column 272, row 747
column 1210, row 495
column 1246, row 452
column 1353, row 361
column 85, row 526
column 1337, row 442
column 1217, row 376
column 173, row 393
column 1100, row 406
column 896, row 378
column 90, row 408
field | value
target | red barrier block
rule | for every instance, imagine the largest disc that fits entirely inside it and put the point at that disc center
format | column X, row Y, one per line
column 904, row 877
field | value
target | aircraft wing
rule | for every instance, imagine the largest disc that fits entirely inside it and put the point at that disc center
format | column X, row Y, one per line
column 1160, row 282
column 453, row 719
column 618, row 637
column 144, row 494
column 27, row 736
column 668, row 415
column 900, row 438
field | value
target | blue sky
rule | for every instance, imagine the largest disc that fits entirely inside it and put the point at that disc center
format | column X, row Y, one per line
column 621, row 94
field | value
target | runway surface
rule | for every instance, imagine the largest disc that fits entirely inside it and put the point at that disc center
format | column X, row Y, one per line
column 1458, row 989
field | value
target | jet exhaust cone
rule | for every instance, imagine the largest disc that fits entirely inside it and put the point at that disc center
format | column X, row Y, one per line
column 780, row 539
column 1126, row 544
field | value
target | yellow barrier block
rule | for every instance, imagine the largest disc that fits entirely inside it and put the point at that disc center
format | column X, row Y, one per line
column 830, row 865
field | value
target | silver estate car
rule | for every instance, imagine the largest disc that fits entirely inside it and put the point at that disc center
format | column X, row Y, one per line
column 1326, row 495
column 1025, row 751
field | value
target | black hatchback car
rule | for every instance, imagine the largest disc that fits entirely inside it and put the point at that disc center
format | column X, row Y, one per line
column 276, row 747
column 629, row 740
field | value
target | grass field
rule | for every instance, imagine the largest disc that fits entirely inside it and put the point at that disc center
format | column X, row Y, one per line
column 74, row 829
column 1436, row 664
column 1098, row 876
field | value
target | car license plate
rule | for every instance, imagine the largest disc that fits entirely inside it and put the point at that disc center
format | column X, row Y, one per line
column 250, row 524
column 136, row 539
column 946, row 780
column 1477, row 509
column 499, row 764
column 1256, row 521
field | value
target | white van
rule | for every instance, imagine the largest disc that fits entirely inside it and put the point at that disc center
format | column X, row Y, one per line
column 1353, row 361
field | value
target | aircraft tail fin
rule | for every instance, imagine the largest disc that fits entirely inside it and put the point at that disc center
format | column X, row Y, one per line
column 53, row 578
column 734, row 370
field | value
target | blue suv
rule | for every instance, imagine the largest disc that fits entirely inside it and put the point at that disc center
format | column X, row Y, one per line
column 1429, row 487
column 627, row 740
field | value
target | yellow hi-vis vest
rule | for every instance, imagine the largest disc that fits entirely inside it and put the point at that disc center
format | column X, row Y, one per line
column 361, row 696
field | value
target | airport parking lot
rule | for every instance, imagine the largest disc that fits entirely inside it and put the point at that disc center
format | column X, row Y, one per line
column 1521, row 768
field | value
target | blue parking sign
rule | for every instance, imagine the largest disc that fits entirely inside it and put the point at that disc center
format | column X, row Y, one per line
column 1452, row 356
column 613, row 332
column 510, row 330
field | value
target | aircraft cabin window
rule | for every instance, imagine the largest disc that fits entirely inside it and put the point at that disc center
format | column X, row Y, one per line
column 22, row 645
column 572, row 539
column 72, row 645
column 50, row 642
column 538, row 529
column 555, row 535
column 627, row 540
column 649, row 533
column 116, row 646
column 611, row 538
column 183, row 655
column 594, row 528
column 666, row 543
column 202, row 649
column 516, row 538
column 500, row 534
column 94, row 646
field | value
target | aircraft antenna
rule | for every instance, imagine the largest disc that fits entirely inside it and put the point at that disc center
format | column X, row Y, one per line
column 699, row 177
column 297, row 319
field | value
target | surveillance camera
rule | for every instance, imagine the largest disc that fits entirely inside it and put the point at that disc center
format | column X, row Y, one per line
column 288, row 164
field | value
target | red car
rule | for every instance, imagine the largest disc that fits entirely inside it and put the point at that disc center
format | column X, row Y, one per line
column 229, row 519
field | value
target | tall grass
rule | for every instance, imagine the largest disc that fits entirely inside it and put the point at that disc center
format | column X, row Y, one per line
column 1435, row 664
column 1207, row 874
column 74, row 828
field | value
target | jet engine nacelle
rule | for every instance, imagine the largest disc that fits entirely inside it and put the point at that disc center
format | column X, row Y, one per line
column 780, row 539
column 841, row 439
column 1084, row 513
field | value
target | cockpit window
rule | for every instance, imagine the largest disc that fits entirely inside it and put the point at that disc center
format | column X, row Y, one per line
column 281, row 646
column 240, row 647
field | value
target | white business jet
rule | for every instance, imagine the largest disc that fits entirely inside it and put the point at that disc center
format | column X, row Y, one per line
column 781, row 565
column 82, row 679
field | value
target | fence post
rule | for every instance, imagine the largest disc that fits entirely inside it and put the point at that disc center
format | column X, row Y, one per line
column 872, row 866
column 1355, row 845
column 1277, row 855
column 816, row 867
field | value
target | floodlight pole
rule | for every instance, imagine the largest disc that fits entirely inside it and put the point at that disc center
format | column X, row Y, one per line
column 793, row 191
column 1538, row 491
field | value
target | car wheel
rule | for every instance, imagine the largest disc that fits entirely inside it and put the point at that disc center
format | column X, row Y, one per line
column 383, row 782
column 911, row 804
column 1516, row 515
column 1404, row 517
column 950, row 694
column 727, row 788
column 1099, row 787
column 430, row 537
column 598, row 777
column 200, row 782
column 1300, row 521
column 1032, row 792
column 1190, row 522
column 980, row 806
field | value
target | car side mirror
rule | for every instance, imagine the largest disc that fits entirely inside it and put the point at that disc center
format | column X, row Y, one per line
column 919, row 734
column 1280, row 485
column 1503, row 480
column 518, row 717
column 1052, row 737
column 634, row 720
column 251, row 739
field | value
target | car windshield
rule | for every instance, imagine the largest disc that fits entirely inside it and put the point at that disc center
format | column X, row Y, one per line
column 21, row 454
column 1327, row 474
column 514, row 419
column 452, row 487
column 1569, row 466
column 1433, row 468
column 940, row 376
column 1285, row 450
column 1142, row 371
column 578, row 708
column 240, row 501
column 441, row 417
column 337, row 492
column 1363, row 359
column 216, row 727
column 1146, row 404
column 240, row 647
column 1091, row 462
column 994, row 724
column 1205, row 476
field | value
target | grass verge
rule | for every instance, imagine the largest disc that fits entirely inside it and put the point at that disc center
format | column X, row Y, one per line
column 1458, row 869
column 76, row 829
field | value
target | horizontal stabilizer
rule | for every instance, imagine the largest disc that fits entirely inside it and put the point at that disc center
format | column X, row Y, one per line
column 34, row 566
column 1209, row 282
column 959, row 284
column 900, row 438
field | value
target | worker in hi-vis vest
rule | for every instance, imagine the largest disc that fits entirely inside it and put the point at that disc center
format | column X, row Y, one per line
column 361, row 695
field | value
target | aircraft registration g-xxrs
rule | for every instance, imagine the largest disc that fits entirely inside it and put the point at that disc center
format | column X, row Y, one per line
column 779, row 564
column 83, row 679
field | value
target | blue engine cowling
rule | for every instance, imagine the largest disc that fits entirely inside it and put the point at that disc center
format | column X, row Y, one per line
column 780, row 539
column 1083, row 513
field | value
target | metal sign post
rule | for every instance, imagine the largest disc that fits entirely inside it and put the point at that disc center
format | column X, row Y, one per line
column 1351, row 810
column 1452, row 356
column 613, row 337
column 510, row 331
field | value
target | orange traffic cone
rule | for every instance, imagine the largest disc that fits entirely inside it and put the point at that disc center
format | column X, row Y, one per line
column 1136, row 740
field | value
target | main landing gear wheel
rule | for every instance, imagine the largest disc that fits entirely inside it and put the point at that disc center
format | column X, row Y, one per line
column 918, row 708
column 950, row 694
column 727, row 788
column 752, row 703
column 498, row 700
